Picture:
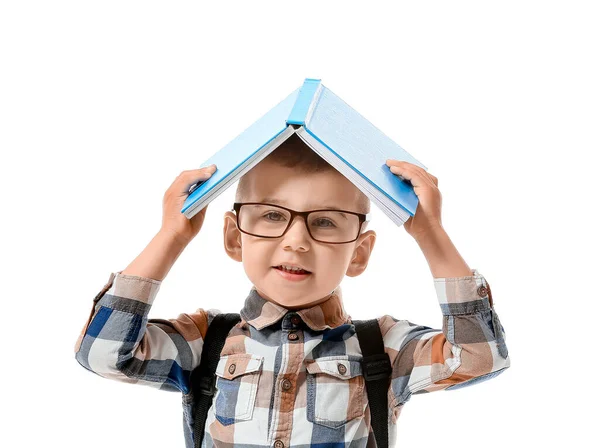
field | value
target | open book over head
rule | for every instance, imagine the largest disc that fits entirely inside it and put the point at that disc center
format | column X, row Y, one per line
column 331, row 128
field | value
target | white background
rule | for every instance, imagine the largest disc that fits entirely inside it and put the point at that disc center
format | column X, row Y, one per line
column 103, row 104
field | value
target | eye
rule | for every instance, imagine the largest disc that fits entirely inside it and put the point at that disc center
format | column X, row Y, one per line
column 273, row 213
column 324, row 220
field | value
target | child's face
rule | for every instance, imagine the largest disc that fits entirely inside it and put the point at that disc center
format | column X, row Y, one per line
column 328, row 263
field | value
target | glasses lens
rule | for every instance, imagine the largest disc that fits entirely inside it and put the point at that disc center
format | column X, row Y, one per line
column 263, row 220
column 333, row 226
column 329, row 226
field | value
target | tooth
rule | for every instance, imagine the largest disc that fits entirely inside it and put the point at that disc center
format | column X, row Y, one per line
column 294, row 269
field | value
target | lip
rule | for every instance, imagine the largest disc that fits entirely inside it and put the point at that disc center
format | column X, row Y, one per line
column 292, row 277
column 293, row 265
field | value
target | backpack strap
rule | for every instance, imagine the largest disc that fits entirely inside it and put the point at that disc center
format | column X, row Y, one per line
column 203, row 377
column 376, row 367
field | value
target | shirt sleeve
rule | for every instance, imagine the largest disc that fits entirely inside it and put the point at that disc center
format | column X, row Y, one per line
column 469, row 348
column 119, row 342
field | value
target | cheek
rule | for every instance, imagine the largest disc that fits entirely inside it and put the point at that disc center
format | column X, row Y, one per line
column 341, row 259
column 334, row 263
column 255, row 258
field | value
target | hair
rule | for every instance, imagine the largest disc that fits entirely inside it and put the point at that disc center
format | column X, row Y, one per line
column 294, row 153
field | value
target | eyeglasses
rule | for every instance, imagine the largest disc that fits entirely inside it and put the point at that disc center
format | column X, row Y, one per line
column 273, row 221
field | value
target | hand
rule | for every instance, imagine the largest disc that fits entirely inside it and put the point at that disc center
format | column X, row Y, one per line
column 428, row 217
column 175, row 222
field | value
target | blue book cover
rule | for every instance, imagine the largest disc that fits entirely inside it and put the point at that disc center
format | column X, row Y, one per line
column 333, row 129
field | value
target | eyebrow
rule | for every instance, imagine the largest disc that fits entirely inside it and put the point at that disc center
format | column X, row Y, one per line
column 313, row 207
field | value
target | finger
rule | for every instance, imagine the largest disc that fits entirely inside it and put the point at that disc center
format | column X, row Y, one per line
column 433, row 179
column 427, row 174
column 404, row 170
column 406, row 165
column 192, row 179
column 413, row 176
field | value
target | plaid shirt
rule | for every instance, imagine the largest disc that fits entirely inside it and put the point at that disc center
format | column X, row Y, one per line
column 292, row 378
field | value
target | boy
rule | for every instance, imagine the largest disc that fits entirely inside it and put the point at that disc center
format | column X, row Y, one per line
column 289, row 373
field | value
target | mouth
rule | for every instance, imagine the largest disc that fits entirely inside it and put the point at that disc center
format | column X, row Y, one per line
column 292, row 271
column 292, row 275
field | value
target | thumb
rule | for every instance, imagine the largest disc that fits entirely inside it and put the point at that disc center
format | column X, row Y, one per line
column 198, row 177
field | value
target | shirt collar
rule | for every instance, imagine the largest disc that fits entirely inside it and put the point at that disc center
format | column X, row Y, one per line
column 259, row 312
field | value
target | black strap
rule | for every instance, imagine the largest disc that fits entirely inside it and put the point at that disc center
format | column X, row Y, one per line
column 203, row 377
column 377, row 370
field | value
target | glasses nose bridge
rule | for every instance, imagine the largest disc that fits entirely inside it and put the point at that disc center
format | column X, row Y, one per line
column 303, row 219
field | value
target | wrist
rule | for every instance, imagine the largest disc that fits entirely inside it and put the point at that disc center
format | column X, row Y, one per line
column 158, row 256
column 442, row 256
column 174, row 237
column 434, row 232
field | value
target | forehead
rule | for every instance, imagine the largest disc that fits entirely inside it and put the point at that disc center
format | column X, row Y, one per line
column 275, row 184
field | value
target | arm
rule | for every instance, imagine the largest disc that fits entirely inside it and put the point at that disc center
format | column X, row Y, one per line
column 157, row 259
column 471, row 345
column 469, row 349
column 119, row 342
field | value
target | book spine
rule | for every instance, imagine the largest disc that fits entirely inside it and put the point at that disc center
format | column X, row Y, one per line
column 305, row 101
column 313, row 104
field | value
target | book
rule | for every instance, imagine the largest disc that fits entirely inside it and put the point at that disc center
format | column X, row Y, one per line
column 331, row 128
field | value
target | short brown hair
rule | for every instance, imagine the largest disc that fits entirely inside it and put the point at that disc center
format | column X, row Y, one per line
column 294, row 153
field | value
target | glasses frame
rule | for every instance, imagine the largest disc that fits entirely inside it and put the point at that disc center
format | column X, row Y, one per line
column 362, row 218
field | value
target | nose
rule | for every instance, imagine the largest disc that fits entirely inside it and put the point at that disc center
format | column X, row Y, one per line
column 297, row 233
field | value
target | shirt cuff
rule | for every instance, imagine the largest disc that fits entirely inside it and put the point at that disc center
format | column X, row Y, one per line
column 463, row 295
column 122, row 289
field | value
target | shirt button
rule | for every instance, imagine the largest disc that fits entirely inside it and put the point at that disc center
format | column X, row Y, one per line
column 286, row 384
column 292, row 336
column 295, row 320
column 278, row 444
column 232, row 368
column 342, row 368
column 482, row 291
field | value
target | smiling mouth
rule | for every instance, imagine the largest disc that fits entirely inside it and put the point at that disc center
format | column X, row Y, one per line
column 300, row 272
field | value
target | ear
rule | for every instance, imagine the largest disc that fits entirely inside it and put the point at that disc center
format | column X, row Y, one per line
column 362, row 253
column 232, row 237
